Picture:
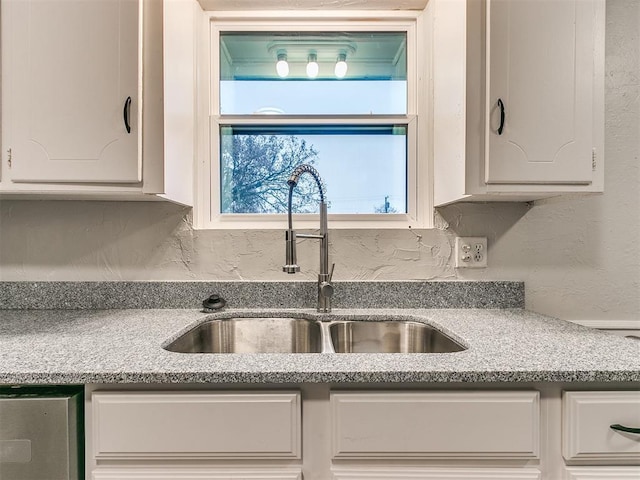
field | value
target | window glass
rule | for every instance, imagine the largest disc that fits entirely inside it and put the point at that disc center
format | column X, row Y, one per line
column 364, row 168
column 330, row 73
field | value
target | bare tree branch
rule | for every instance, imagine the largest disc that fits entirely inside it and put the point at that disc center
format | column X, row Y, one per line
column 255, row 169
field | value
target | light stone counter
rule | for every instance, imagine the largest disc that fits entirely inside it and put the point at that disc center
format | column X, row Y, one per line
column 125, row 346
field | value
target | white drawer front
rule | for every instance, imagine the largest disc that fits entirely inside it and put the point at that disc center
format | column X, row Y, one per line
column 426, row 473
column 196, row 425
column 196, row 473
column 602, row 473
column 586, row 432
column 430, row 424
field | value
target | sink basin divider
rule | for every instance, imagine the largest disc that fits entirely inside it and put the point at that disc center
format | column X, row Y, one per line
column 327, row 344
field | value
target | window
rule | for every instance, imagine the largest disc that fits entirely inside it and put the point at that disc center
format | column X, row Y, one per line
column 364, row 168
column 338, row 94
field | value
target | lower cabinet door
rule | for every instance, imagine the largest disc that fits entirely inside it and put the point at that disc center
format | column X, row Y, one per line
column 463, row 425
column 177, row 425
column 601, row 427
column 196, row 473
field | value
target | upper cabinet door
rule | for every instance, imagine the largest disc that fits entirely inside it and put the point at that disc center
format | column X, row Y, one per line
column 540, row 58
column 72, row 66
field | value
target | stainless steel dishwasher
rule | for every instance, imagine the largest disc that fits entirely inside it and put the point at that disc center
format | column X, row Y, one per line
column 41, row 433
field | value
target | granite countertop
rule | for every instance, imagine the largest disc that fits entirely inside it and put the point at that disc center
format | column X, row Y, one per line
column 125, row 346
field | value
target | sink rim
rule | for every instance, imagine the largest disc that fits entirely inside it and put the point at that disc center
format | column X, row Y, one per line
column 326, row 320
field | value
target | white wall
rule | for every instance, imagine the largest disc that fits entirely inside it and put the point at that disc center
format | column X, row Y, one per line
column 579, row 256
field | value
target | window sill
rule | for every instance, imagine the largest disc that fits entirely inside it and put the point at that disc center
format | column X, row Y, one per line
column 311, row 222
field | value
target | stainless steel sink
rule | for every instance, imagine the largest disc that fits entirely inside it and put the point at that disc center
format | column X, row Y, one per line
column 302, row 335
column 390, row 337
column 251, row 335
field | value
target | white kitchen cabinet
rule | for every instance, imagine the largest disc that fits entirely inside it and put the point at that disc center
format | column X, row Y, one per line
column 135, row 434
column 459, row 425
column 196, row 425
column 77, row 80
column 540, row 78
column 519, row 101
column 74, row 103
column 490, row 431
column 155, row 435
column 588, row 436
column 590, row 446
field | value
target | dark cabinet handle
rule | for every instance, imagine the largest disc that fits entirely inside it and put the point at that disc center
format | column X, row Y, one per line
column 622, row 428
column 126, row 112
column 501, row 127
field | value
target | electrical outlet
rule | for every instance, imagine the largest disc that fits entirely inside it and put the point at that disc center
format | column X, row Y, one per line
column 471, row 252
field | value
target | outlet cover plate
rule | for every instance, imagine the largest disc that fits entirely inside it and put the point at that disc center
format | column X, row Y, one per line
column 471, row 252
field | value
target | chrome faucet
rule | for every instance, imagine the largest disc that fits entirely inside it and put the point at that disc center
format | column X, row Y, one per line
column 325, row 288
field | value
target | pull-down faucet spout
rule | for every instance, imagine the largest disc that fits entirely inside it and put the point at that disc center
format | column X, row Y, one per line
column 325, row 288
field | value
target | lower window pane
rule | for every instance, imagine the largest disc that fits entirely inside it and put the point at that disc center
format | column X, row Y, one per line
column 363, row 168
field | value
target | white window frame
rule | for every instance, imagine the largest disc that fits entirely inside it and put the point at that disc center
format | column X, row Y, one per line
column 419, row 188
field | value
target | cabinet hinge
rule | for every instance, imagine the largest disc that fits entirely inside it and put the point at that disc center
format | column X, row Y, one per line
column 9, row 157
column 593, row 160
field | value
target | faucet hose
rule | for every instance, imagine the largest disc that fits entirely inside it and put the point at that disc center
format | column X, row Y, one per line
column 297, row 173
column 293, row 181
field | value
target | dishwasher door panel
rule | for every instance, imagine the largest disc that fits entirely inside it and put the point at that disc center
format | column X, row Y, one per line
column 39, row 434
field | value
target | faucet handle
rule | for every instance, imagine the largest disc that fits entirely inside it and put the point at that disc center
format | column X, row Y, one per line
column 333, row 265
column 326, row 289
column 291, row 265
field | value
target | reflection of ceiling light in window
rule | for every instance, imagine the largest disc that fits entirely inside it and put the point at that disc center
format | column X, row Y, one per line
column 312, row 65
column 341, row 66
column 282, row 66
column 269, row 111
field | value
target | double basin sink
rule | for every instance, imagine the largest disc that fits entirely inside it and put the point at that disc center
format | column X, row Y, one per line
column 303, row 335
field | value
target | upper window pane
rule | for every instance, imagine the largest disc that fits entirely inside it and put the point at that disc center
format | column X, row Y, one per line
column 334, row 73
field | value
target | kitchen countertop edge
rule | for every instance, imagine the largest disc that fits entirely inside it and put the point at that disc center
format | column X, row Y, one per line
column 124, row 346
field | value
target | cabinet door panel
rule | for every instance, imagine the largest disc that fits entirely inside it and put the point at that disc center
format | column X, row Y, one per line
column 72, row 66
column 540, row 64
column 435, row 425
column 587, row 432
column 196, row 425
